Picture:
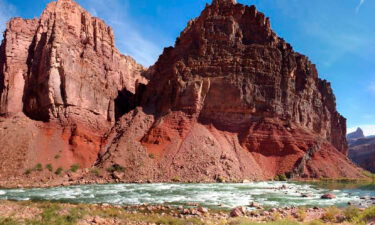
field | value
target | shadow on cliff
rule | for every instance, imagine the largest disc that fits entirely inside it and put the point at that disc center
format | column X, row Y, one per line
column 33, row 89
column 2, row 77
column 126, row 101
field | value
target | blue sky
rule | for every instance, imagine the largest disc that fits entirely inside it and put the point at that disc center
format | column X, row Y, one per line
column 337, row 35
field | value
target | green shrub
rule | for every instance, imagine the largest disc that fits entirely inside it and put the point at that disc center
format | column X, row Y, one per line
column 115, row 168
column 59, row 171
column 74, row 168
column 38, row 167
column 152, row 156
column 57, row 156
column 281, row 177
column 49, row 167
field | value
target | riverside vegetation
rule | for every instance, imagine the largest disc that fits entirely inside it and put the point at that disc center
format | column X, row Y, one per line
column 50, row 213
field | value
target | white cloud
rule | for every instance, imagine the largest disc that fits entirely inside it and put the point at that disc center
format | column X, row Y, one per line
column 367, row 129
column 6, row 12
column 129, row 38
column 359, row 6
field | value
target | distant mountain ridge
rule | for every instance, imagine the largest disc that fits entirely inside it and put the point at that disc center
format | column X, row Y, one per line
column 362, row 149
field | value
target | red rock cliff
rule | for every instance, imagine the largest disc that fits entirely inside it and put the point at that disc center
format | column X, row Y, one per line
column 65, row 71
column 232, row 100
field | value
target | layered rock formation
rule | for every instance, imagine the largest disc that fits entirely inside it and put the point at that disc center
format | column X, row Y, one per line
column 231, row 100
column 362, row 150
column 64, row 71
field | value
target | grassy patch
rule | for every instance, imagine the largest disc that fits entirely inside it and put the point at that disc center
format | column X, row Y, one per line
column 52, row 214
column 8, row 221
column 246, row 221
column 366, row 216
column 331, row 214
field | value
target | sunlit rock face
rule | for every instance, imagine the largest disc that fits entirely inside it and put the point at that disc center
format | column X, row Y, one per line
column 62, row 69
column 231, row 101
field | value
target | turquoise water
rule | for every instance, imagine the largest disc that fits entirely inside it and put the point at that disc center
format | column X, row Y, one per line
column 271, row 194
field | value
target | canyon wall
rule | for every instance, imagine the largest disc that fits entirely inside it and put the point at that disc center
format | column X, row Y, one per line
column 230, row 101
column 61, row 75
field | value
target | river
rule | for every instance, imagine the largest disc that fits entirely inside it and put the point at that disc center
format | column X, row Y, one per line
column 215, row 195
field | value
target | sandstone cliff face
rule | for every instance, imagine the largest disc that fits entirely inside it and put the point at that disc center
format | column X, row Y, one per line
column 232, row 100
column 65, row 71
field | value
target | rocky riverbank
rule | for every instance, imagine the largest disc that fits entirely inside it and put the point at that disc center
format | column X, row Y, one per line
column 61, row 213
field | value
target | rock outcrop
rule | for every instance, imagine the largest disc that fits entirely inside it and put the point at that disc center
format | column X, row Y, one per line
column 60, row 80
column 356, row 134
column 232, row 101
column 362, row 150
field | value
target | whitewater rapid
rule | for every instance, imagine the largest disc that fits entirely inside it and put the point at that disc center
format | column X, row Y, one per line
column 272, row 194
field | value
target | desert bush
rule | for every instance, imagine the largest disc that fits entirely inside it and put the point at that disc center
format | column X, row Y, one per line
column 95, row 171
column 49, row 167
column 281, row 177
column 38, row 167
column 74, row 168
column 58, row 171
column 115, row 168
column 28, row 171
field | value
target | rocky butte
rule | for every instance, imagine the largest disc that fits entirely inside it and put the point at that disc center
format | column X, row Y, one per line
column 230, row 101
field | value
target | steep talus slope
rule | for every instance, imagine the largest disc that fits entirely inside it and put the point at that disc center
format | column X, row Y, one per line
column 60, row 77
column 231, row 100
